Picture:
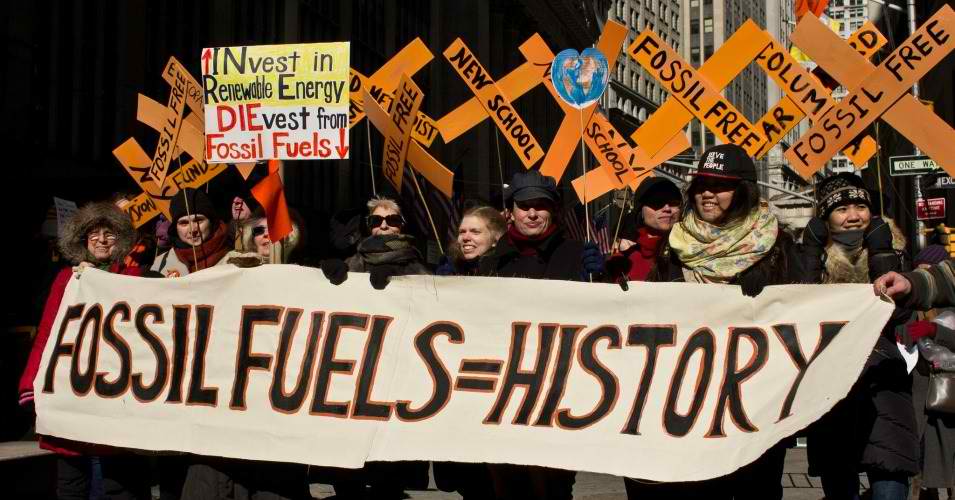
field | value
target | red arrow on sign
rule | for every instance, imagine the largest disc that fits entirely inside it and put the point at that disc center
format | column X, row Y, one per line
column 206, row 55
column 342, row 148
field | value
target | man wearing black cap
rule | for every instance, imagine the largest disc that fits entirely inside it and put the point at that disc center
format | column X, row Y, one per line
column 534, row 247
column 199, row 236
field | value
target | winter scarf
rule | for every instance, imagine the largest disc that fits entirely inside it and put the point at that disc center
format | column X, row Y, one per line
column 208, row 253
column 718, row 253
column 388, row 249
column 851, row 265
column 527, row 245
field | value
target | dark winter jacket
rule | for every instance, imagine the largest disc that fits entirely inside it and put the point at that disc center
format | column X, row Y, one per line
column 874, row 426
column 556, row 258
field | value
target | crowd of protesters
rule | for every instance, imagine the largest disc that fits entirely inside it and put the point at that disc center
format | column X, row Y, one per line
column 716, row 230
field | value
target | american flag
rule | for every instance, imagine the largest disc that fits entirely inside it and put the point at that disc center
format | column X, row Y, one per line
column 599, row 229
column 445, row 211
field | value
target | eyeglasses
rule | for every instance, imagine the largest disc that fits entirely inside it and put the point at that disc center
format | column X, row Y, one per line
column 259, row 230
column 101, row 235
column 393, row 220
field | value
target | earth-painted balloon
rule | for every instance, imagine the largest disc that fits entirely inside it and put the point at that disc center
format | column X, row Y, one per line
column 580, row 79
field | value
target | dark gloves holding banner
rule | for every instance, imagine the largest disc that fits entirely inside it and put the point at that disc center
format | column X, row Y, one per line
column 878, row 237
column 592, row 259
column 379, row 275
column 335, row 270
column 445, row 267
column 816, row 233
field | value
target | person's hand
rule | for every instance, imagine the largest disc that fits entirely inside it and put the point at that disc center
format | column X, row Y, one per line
column 445, row 267
column 918, row 330
column 245, row 261
column 624, row 245
column 78, row 269
column 381, row 275
column 878, row 236
column 592, row 258
column 892, row 284
column 335, row 270
column 816, row 232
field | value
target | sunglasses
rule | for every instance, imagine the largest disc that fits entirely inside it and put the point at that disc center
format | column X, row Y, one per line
column 393, row 220
column 259, row 230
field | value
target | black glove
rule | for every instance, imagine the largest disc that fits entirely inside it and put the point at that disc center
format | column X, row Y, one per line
column 445, row 267
column 592, row 259
column 752, row 282
column 816, row 233
column 380, row 275
column 878, row 237
column 335, row 270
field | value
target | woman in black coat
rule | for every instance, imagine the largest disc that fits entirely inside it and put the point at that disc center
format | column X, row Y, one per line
column 727, row 235
column 873, row 429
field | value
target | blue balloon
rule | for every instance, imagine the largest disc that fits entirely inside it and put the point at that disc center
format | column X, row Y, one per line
column 580, row 79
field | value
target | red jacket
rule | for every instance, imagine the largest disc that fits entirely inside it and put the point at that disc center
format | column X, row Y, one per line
column 53, row 300
column 637, row 261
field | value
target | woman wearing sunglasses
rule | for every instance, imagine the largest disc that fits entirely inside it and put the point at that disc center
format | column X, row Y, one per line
column 385, row 253
column 255, row 247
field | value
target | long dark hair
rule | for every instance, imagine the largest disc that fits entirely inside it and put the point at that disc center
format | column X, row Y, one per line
column 745, row 200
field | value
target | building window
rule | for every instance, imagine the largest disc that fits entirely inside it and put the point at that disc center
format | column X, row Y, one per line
column 694, row 28
column 708, row 25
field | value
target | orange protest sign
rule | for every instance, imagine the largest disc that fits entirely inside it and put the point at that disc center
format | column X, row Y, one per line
column 876, row 91
column 407, row 103
column 189, row 139
column 695, row 93
column 515, row 84
column 172, row 123
column 671, row 117
column 804, row 92
column 599, row 181
column 497, row 105
column 416, row 156
column 569, row 133
column 425, row 129
column 408, row 61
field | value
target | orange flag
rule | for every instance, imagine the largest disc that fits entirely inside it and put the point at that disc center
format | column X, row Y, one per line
column 817, row 7
column 270, row 193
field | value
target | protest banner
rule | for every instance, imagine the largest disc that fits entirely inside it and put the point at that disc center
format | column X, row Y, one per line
column 241, row 363
column 876, row 92
column 288, row 102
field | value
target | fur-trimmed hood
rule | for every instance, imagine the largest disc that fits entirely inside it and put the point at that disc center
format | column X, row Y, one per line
column 842, row 266
column 72, row 241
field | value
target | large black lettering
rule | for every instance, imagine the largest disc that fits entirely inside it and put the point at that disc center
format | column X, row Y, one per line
column 731, row 393
column 329, row 364
column 652, row 337
column 61, row 348
column 290, row 402
column 199, row 394
column 424, row 344
column 558, row 383
column 142, row 392
column 532, row 381
column 180, row 350
column 609, row 386
column 245, row 359
column 81, row 381
column 677, row 424
column 790, row 340
column 364, row 407
column 120, row 383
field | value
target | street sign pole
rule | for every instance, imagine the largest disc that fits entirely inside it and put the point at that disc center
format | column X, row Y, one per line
column 917, row 184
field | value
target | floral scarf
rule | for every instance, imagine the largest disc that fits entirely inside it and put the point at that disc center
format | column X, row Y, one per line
column 719, row 253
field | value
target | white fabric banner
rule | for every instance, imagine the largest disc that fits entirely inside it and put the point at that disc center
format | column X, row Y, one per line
column 664, row 381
